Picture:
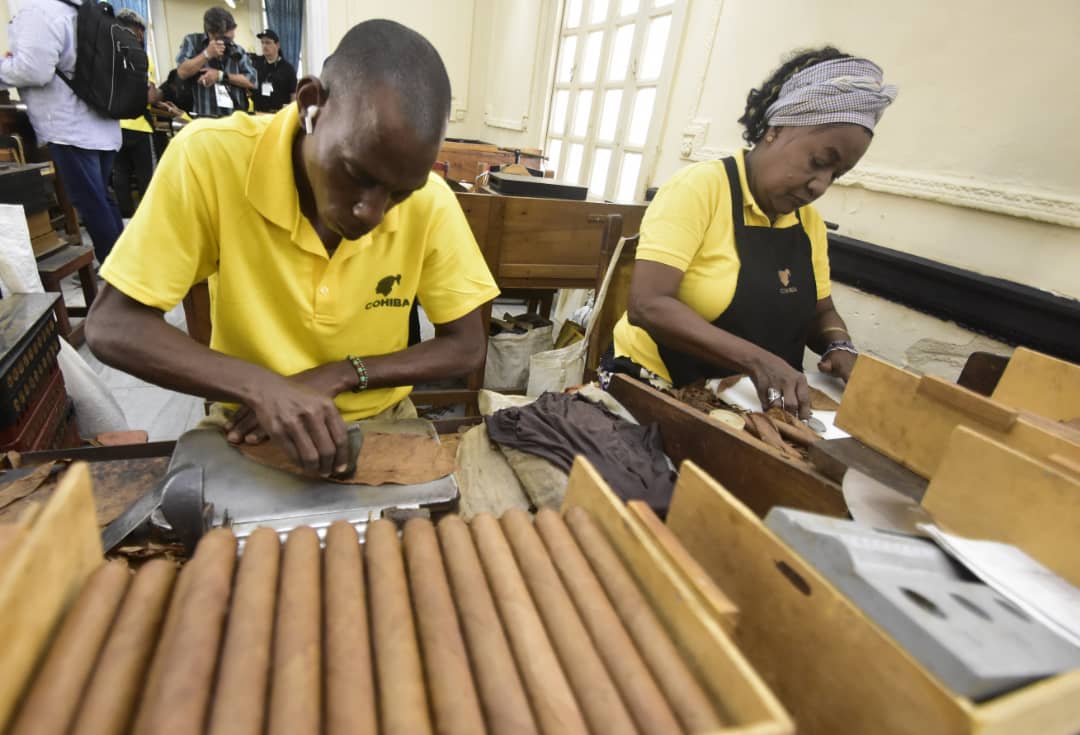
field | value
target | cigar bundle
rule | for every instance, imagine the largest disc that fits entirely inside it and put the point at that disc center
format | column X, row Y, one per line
column 516, row 625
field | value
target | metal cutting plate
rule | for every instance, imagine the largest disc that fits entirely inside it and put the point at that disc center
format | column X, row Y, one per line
column 250, row 495
column 975, row 641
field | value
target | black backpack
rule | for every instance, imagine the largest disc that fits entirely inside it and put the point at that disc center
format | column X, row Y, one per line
column 110, row 63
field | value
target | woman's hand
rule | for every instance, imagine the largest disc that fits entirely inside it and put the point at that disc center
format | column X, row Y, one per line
column 788, row 386
column 839, row 363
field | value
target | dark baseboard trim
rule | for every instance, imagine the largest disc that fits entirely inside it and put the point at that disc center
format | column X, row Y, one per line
column 1008, row 311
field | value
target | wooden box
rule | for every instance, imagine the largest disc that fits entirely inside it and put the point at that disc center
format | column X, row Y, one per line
column 39, row 223
column 910, row 418
column 758, row 475
column 700, row 634
column 47, row 243
column 834, row 670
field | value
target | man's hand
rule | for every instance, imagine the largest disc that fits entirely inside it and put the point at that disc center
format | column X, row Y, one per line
column 215, row 49
column 325, row 380
column 300, row 417
column 210, row 77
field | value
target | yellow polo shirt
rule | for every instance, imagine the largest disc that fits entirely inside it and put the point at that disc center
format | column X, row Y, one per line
column 223, row 205
column 139, row 124
column 688, row 226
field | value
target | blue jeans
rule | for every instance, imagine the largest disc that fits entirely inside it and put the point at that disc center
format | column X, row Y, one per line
column 85, row 174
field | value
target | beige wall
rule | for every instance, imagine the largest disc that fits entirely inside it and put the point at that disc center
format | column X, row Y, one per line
column 497, row 52
column 976, row 163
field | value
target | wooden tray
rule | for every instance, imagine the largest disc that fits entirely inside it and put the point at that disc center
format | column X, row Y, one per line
column 759, row 475
column 832, row 668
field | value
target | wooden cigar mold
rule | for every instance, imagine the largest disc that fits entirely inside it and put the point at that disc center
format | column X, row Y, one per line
column 499, row 626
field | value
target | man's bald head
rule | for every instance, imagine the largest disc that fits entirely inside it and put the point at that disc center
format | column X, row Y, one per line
column 382, row 53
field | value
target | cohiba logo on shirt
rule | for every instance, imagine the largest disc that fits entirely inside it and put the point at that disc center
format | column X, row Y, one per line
column 383, row 288
column 785, row 281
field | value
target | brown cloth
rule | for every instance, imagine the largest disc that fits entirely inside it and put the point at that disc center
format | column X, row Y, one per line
column 560, row 426
column 385, row 459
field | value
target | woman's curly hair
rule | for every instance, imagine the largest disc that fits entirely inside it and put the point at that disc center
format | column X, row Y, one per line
column 759, row 100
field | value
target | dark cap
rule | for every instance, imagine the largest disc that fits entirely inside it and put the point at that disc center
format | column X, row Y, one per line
column 268, row 34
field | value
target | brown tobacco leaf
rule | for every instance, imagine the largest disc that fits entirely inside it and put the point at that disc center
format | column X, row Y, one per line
column 20, row 488
column 398, row 459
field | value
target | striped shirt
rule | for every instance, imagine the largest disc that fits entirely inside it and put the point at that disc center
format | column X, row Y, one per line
column 206, row 104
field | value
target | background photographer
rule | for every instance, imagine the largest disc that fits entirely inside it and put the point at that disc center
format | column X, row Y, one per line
column 219, row 71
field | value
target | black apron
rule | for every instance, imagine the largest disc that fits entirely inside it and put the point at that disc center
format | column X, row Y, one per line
column 775, row 297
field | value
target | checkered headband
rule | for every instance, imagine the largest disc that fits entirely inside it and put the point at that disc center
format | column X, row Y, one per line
column 838, row 91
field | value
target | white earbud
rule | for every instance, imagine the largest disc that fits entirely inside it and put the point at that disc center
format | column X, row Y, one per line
column 309, row 118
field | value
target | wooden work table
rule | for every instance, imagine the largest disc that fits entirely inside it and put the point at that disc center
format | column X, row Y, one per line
column 532, row 243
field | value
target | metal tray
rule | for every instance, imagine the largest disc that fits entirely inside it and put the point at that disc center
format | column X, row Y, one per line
column 247, row 495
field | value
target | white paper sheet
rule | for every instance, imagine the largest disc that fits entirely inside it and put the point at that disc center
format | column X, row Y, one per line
column 875, row 504
column 1016, row 576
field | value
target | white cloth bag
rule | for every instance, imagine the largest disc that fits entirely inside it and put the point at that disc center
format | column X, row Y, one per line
column 508, row 358
column 556, row 370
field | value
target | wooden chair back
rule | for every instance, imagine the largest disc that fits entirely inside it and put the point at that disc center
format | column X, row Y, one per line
column 607, row 312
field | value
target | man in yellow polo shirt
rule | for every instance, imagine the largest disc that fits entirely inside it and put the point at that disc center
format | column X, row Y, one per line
column 318, row 228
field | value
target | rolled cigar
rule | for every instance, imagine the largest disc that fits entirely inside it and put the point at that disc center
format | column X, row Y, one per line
column 639, row 690
column 454, row 704
column 161, row 650
column 599, row 699
column 181, row 698
column 239, row 704
column 350, row 686
column 403, row 706
column 685, row 695
column 552, row 700
column 792, row 429
column 502, row 695
column 109, row 704
column 53, row 698
column 296, row 680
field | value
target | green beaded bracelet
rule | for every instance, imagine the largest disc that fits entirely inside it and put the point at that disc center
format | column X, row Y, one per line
column 361, row 373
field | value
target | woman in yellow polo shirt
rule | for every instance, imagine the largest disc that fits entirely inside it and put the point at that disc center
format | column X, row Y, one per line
column 732, row 270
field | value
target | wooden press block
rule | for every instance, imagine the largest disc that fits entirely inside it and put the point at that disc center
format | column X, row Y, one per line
column 983, row 489
column 709, row 593
column 730, row 680
column 1041, row 384
column 910, row 418
column 834, row 670
column 41, row 578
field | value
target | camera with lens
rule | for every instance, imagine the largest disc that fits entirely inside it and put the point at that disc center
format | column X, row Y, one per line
column 232, row 51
